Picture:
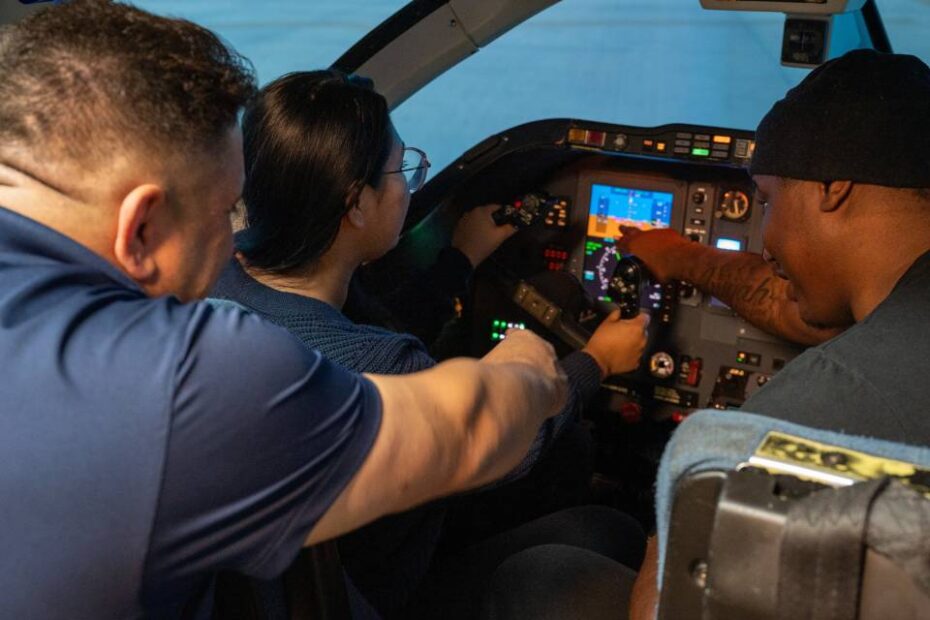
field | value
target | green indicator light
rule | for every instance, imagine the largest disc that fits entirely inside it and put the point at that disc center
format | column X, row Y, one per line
column 701, row 152
column 607, row 298
column 497, row 323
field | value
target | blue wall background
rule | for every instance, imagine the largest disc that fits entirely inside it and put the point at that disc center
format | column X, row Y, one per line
column 638, row 62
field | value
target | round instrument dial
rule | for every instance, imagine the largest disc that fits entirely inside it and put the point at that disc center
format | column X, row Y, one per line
column 661, row 365
column 734, row 206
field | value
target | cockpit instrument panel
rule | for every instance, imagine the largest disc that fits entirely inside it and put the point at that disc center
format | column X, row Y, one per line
column 590, row 179
column 593, row 179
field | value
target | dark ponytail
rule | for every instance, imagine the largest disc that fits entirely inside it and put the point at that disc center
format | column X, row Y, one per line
column 312, row 140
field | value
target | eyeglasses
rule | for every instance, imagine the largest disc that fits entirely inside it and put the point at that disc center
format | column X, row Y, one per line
column 414, row 167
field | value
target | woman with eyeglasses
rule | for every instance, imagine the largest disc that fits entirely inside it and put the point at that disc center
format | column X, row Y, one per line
column 328, row 183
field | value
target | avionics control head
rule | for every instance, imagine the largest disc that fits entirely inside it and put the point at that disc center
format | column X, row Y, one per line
column 526, row 210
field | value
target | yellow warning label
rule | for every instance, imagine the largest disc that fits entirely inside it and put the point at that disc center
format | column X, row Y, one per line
column 834, row 465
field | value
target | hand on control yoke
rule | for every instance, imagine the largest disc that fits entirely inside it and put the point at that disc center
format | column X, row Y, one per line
column 617, row 345
column 477, row 235
column 524, row 347
column 658, row 249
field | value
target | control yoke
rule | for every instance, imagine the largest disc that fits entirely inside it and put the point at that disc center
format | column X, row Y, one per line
column 626, row 284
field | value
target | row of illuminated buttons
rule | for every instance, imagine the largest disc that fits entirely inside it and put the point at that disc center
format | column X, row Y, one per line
column 723, row 148
column 701, row 137
column 701, row 152
column 653, row 145
column 717, row 146
column 502, row 326
column 501, row 335
column 599, row 139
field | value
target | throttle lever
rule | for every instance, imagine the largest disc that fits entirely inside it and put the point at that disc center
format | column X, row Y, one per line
column 550, row 315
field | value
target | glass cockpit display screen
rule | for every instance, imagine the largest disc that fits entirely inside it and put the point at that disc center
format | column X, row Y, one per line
column 612, row 206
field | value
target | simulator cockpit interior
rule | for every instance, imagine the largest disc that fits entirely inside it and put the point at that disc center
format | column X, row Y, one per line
column 636, row 117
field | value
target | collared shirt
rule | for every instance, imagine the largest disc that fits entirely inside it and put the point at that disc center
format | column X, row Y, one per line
column 146, row 443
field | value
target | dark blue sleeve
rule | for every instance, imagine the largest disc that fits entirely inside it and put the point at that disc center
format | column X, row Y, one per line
column 265, row 434
column 584, row 379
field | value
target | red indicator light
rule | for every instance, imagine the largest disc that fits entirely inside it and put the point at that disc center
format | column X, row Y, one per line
column 631, row 413
column 694, row 372
column 677, row 417
column 596, row 138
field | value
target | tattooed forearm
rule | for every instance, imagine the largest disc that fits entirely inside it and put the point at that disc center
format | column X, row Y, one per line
column 741, row 285
column 747, row 284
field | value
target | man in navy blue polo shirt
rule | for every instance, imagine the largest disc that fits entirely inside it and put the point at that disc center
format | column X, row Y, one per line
column 139, row 453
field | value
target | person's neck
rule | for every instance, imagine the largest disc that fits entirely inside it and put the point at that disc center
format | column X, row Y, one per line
column 75, row 219
column 327, row 280
column 881, row 264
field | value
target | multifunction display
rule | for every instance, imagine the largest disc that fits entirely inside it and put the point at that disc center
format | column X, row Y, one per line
column 612, row 206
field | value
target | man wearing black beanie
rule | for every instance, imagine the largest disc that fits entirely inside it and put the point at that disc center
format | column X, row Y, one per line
column 842, row 171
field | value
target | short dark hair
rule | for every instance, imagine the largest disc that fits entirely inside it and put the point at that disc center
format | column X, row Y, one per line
column 312, row 141
column 90, row 77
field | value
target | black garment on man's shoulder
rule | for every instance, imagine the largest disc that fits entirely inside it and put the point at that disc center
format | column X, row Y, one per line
column 872, row 379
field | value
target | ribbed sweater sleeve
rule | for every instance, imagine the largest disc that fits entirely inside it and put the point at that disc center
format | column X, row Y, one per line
column 584, row 379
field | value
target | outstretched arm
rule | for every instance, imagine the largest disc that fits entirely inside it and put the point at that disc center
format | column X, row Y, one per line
column 454, row 427
column 742, row 280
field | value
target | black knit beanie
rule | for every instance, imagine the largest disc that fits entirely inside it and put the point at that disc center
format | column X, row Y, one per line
column 862, row 117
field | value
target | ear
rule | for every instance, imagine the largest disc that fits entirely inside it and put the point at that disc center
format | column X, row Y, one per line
column 835, row 194
column 354, row 217
column 135, row 237
column 363, row 201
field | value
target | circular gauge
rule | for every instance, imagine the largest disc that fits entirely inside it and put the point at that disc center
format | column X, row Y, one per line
column 734, row 206
column 661, row 365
